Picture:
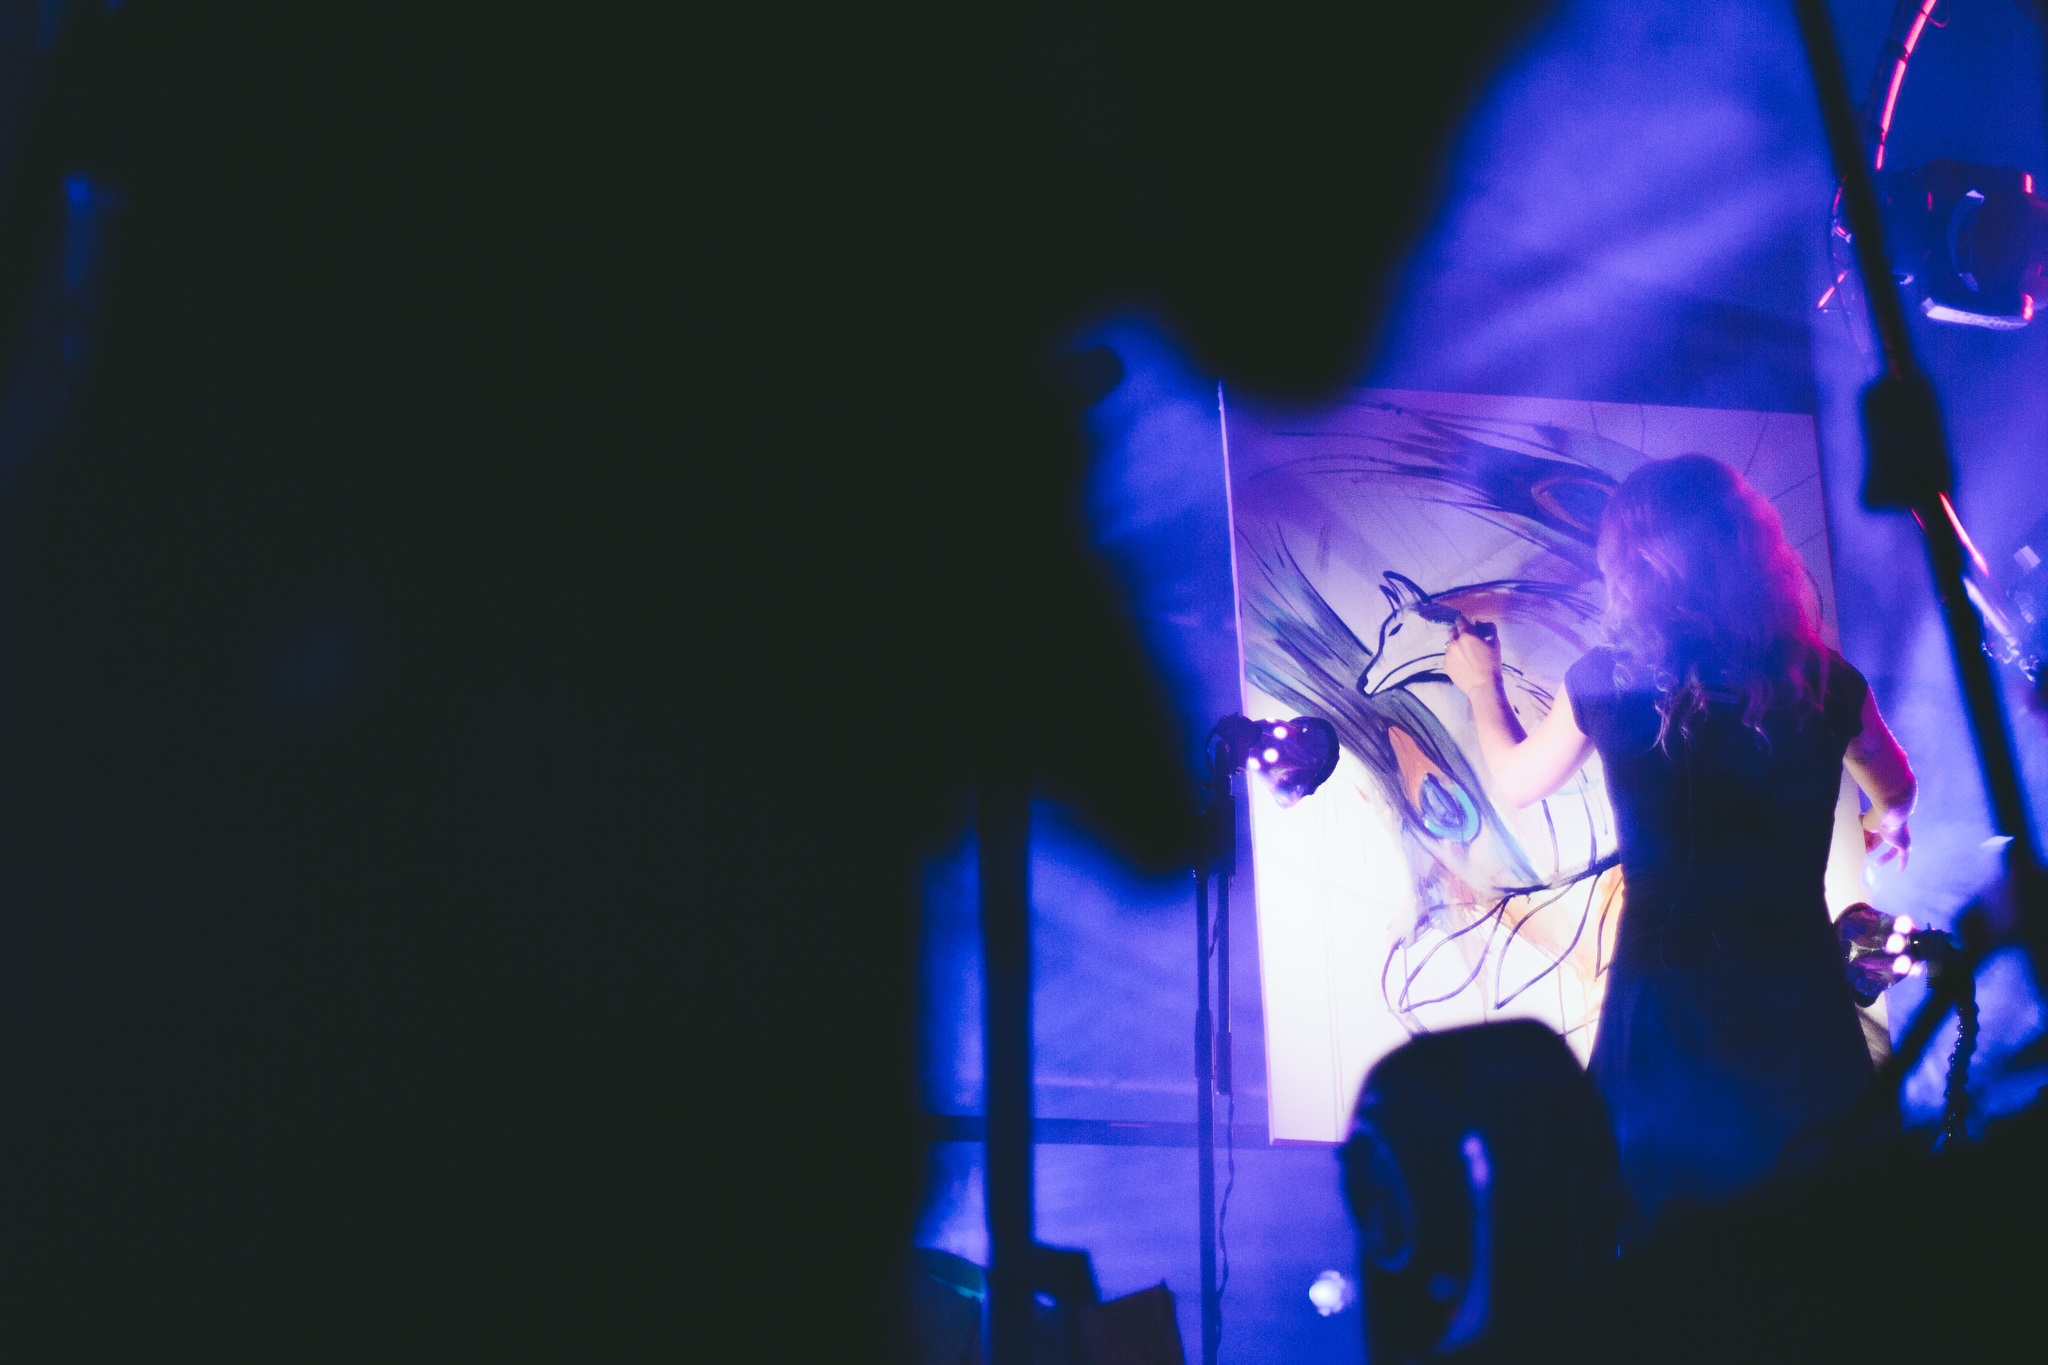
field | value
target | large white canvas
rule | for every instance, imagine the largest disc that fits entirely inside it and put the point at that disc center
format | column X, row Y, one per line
column 1404, row 896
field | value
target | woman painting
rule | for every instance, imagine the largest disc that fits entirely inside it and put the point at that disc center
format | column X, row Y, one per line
column 1723, row 723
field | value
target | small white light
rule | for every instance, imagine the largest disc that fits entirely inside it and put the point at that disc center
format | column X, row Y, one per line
column 1272, row 755
column 1279, row 732
column 1917, row 966
column 1902, row 965
column 1331, row 1293
column 1903, row 924
column 1252, row 763
column 1895, row 944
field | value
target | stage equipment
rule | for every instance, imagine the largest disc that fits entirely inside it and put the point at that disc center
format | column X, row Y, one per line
column 1874, row 951
column 1969, row 243
column 1332, row 1293
column 1909, row 22
column 1908, row 469
column 2014, row 610
column 1294, row 757
column 2024, row 628
column 1947, row 962
column 1879, row 951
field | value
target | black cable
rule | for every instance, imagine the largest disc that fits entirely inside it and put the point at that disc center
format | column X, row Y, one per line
column 1955, row 1095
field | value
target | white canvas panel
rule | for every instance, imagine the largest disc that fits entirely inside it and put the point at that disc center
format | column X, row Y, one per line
column 1404, row 896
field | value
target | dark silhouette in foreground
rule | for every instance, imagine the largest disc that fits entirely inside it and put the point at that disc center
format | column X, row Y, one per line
column 1485, row 1187
column 1485, row 1181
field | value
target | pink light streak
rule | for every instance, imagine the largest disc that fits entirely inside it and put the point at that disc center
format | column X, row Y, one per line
column 1891, row 98
column 1963, row 535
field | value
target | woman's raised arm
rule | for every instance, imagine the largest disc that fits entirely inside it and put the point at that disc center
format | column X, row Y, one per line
column 1525, row 768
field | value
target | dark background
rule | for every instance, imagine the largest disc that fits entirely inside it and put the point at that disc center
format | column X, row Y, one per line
column 488, row 495
column 513, row 525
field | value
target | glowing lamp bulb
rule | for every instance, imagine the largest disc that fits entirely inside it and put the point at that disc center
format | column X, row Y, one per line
column 1272, row 755
column 1903, row 924
column 1279, row 732
column 1902, row 965
column 1331, row 1293
column 1252, row 763
column 1895, row 944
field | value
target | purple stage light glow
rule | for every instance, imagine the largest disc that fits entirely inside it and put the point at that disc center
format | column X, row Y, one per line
column 1891, row 94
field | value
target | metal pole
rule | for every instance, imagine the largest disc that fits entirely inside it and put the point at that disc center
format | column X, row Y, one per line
column 1205, row 1113
column 1226, row 867
column 1003, row 831
column 1908, row 467
column 1859, row 196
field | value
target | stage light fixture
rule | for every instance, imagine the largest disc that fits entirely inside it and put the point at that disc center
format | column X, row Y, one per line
column 1969, row 242
column 1294, row 757
column 1332, row 1293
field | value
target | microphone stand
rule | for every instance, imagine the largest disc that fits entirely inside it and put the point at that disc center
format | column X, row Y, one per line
column 1908, row 468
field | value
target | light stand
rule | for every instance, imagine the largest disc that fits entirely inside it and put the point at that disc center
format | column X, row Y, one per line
column 1215, row 856
column 1296, row 756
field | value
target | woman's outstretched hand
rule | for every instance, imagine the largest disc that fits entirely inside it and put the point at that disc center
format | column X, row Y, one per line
column 1472, row 657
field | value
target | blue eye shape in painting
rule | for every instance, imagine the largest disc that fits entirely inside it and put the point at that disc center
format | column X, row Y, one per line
column 1446, row 811
column 1435, row 798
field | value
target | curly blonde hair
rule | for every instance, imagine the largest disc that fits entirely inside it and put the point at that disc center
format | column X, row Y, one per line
column 1704, row 596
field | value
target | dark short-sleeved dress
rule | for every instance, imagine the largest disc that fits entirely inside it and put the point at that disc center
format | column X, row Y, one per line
column 1728, row 1027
